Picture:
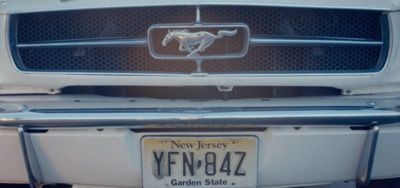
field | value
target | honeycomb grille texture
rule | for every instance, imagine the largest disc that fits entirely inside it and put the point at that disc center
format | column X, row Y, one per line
column 299, row 22
column 258, row 59
column 107, row 23
column 297, row 59
column 100, row 59
column 134, row 23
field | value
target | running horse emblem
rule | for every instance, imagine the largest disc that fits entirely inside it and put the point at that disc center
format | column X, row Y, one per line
column 188, row 40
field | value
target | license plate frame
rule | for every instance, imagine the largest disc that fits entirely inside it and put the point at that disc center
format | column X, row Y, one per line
column 173, row 161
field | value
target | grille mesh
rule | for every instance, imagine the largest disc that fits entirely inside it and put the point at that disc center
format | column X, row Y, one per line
column 258, row 59
column 107, row 23
column 262, row 21
column 100, row 59
column 288, row 59
column 298, row 22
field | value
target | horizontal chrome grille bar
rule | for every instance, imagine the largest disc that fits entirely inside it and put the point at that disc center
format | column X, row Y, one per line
column 339, row 117
column 258, row 41
column 87, row 43
column 264, row 41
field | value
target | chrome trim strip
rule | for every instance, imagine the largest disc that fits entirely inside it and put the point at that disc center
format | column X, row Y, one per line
column 31, row 7
column 318, row 118
column 263, row 41
column 198, row 15
column 365, row 167
column 140, row 42
column 258, row 41
column 33, row 182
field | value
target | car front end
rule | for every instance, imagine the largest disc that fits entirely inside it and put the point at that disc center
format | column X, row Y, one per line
column 200, row 93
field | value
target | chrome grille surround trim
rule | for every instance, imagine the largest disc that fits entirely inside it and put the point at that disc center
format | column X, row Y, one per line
column 15, row 7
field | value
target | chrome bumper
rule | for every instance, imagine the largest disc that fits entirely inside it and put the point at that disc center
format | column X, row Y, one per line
column 267, row 117
column 142, row 117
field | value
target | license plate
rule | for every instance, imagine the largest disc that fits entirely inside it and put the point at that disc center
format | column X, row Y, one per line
column 199, row 161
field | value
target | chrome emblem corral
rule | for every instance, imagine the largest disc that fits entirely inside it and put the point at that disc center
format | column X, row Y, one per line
column 198, row 42
column 188, row 41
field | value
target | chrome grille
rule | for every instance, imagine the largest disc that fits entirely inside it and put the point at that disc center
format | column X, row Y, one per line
column 283, row 40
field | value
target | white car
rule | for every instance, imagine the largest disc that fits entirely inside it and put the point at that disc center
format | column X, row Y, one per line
column 203, row 93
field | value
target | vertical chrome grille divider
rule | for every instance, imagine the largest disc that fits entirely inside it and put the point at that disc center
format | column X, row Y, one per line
column 198, row 18
column 199, row 70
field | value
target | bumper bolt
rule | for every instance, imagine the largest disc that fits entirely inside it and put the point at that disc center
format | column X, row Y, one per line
column 372, row 103
column 23, row 107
